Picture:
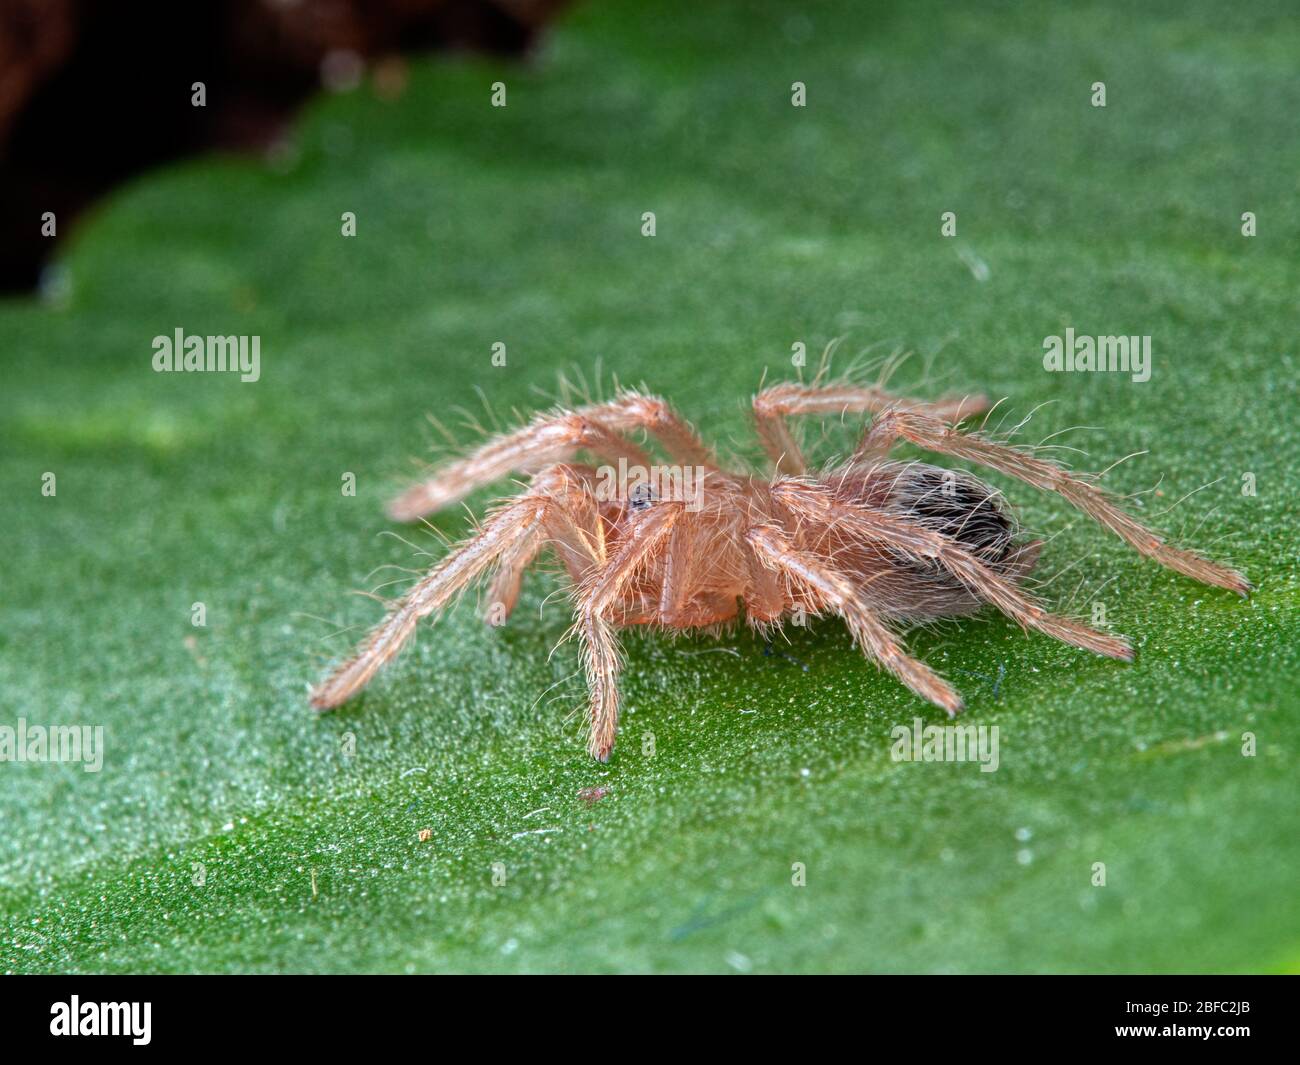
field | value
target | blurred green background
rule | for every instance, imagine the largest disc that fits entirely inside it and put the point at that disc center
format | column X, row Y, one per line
column 232, row 829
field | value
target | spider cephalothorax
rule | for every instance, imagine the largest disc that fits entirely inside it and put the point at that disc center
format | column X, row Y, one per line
column 879, row 543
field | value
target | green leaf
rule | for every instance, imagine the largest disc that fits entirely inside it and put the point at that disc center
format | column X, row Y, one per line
column 232, row 829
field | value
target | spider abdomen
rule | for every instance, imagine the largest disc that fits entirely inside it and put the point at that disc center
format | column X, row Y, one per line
column 959, row 507
column 953, row 504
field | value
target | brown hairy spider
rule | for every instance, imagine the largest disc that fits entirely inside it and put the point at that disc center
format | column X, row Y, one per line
column 879, row 543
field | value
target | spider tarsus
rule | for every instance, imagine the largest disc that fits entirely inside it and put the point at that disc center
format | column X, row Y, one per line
column 411, row 505
column 950, row 702
column 1240, row 584
column 323, row 698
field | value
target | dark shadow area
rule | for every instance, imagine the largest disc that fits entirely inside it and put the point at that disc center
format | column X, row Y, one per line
column 92, row 93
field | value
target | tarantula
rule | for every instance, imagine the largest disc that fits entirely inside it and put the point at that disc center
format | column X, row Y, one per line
column 879, row 543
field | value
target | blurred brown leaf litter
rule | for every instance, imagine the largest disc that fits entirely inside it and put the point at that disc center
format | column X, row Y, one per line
column 92, row 93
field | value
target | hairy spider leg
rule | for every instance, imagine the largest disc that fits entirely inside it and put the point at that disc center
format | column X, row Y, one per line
column 593, row 599
column 821, row 582
column 930, row 433
column 773, row 405
column 501, row 534
column 557, row 438
column 818, row 504
column 578, row 537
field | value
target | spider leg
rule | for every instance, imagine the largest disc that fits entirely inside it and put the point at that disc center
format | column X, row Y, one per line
column 599, row 643
column 556, row 438
column 576, row 533
column 818, row 504
column 821, row 582
column 679, row 565
column 502, row 534
column 503, row 593
column 932, row 434
column 773, row 405
column 632, row 410
column 764, row 599
column 542, row 442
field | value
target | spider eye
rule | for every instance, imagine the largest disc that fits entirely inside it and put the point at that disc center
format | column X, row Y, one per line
column 641, row 497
